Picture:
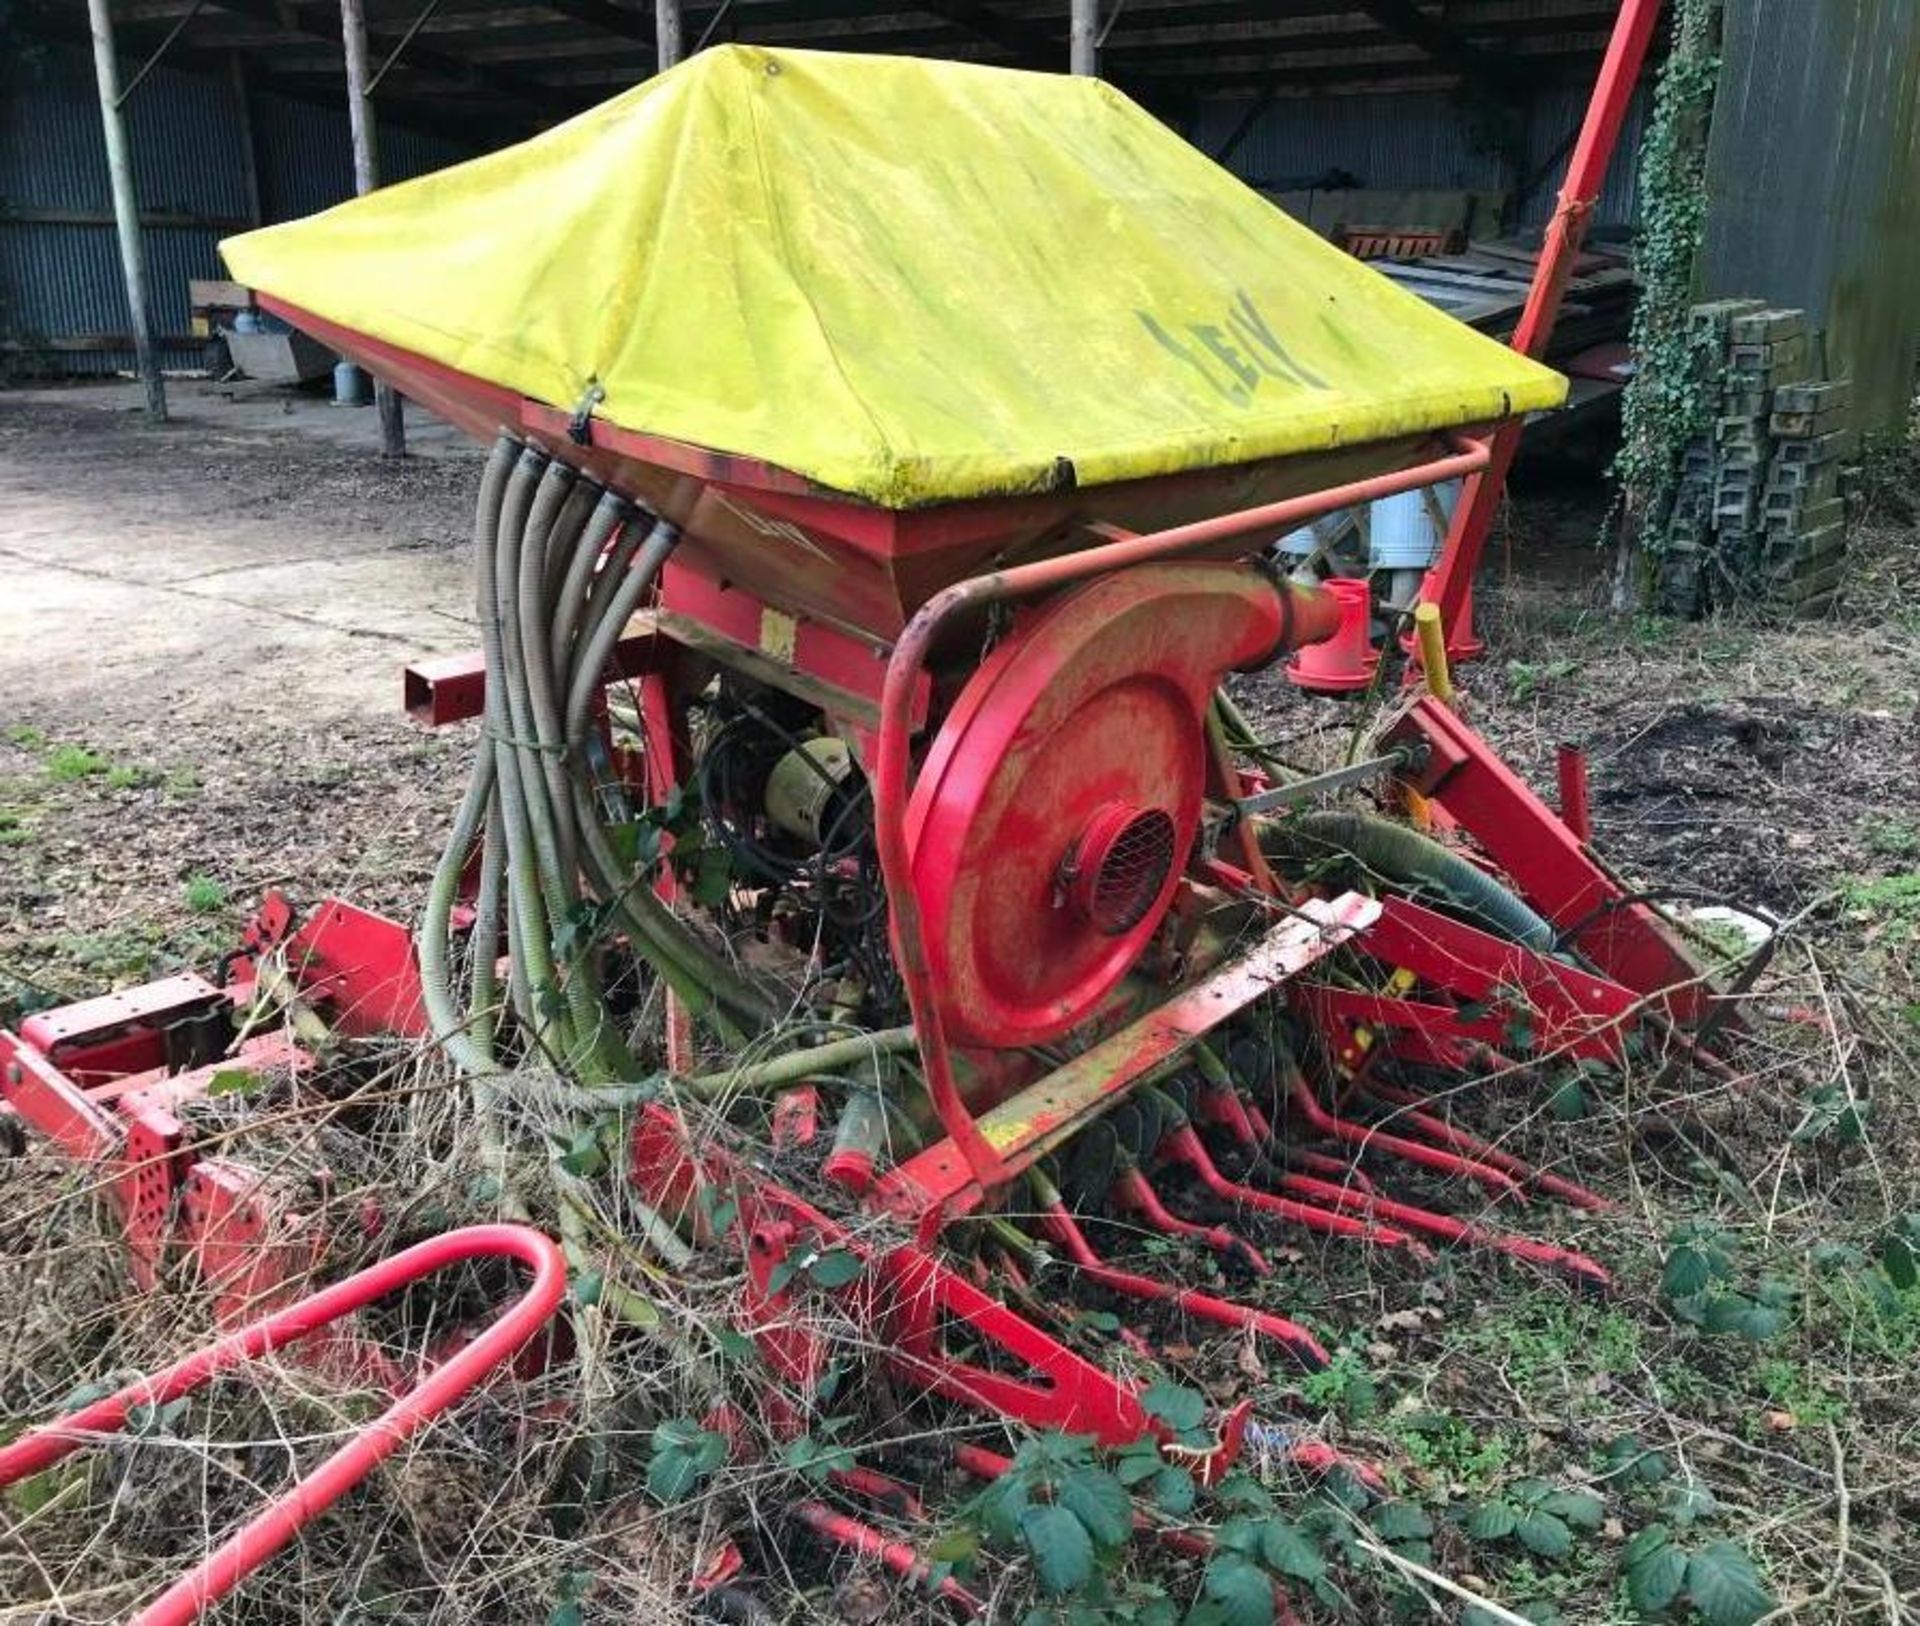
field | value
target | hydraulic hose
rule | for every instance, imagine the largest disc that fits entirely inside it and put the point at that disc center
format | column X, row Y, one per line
column 559, row 570
column 449, row 1024
column 1410, row 860
column 508, row 722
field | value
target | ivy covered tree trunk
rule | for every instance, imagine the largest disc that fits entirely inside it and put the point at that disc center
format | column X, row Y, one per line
column 1670, row 397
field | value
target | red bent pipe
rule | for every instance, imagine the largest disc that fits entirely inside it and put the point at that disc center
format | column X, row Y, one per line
column 1417, row 1118
column 893, row 757
column 843, row 1530
column 255, row 1542
column 1184, row 1147
column 1060, row 1224
column 1446, row 1228
column 1300, row 1098
column 1132, row 1193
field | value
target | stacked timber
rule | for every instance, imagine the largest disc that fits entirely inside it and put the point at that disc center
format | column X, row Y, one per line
column 1485, row 286
column 1803, row 517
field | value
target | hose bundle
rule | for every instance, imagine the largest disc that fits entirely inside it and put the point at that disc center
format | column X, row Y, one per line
column 560, row 566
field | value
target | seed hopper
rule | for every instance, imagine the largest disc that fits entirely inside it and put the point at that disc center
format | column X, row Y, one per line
column 910, row 773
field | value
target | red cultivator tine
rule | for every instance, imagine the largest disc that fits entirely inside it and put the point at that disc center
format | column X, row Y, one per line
column 1184, row 1147
column 843, row 1530
column 255, row 1542
column 1446, row 1228
column 1060, row 1224
column 1366, row 1138
column 1133, row 1193
column 1412, row 1113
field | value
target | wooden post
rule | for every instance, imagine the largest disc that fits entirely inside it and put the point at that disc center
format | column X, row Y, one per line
column 666, row 29
column 126, row 208
column 249, row 147
column 1083, row 37
column 366, row 177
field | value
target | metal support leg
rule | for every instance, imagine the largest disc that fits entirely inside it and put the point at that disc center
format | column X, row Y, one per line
column 126, row 208
column 366, row 178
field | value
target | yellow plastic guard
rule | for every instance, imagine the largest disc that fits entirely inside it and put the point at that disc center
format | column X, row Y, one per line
column 908, row 280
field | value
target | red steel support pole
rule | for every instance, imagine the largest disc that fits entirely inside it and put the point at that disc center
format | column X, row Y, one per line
column 1450, row 583
column 1576, row 807
column 258, row 1540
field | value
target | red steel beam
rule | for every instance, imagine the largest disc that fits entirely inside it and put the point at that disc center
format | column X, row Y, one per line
column 1450, row 583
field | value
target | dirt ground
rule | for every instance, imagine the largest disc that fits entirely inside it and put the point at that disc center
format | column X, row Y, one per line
column 201, row 634
column 202, row 629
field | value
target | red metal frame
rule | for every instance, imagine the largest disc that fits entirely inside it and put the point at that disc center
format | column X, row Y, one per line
column 1549, row 865
column 942, row 1182
column 905, row 1297
column 892, row 771
column 273, row 1528
column 1450, row 583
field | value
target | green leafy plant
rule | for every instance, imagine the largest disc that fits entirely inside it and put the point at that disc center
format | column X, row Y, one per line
column 1717, row 1580
column 1537, row 1516
column 1527, row 678
column 1344, row 1385
column 1669, row 399
column 828, row 1268
column 205, row 894
column 815, row 1458
column 1900, row 1253
column 1071, row 1514
column 1892, row 901
column 1833, row 1111
column 1630, row 1463
column 684, row 1455
column 69, row 762
column 1698, row 1281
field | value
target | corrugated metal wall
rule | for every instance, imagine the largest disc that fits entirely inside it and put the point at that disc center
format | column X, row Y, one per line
column 1420, row 140
column 60, row 278
column 1814, row 175
column 59, row 263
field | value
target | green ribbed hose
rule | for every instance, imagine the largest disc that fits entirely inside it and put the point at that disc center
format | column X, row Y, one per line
column 1414, row 862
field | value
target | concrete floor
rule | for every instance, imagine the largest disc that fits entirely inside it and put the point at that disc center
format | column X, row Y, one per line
column 245, row 405
column 256, row 553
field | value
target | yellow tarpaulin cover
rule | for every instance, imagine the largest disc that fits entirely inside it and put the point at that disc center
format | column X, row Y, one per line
column 909, row 280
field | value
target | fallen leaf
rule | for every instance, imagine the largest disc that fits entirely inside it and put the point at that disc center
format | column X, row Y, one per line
column 860, row 1600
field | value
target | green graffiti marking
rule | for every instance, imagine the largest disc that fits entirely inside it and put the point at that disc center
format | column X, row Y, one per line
column 1236, row 355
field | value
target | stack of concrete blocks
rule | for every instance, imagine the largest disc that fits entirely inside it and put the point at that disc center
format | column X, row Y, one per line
column 1803, row 517
column 1756, row 512
column 1765, row 349
column 1690, row 542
